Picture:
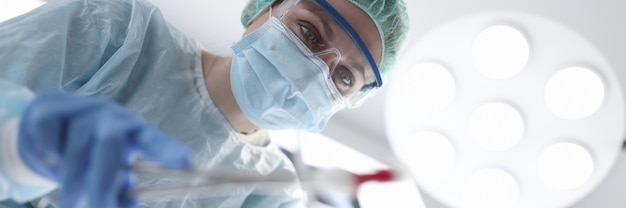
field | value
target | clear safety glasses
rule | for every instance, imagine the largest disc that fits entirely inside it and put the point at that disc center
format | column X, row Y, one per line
column 329, row 36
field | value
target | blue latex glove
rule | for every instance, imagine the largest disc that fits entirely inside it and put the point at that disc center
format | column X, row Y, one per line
column 87, row 145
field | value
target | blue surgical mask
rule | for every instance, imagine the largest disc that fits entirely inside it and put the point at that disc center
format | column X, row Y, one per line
column 279, row 83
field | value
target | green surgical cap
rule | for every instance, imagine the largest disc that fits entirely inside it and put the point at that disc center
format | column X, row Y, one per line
column 390, row 17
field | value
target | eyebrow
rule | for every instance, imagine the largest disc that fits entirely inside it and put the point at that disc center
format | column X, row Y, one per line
column 327, row 28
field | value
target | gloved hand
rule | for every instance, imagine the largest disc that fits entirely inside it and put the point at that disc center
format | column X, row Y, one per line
column 87, row 144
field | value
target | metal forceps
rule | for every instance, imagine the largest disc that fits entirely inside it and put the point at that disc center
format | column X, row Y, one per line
column 202, row 183
column 217, row 181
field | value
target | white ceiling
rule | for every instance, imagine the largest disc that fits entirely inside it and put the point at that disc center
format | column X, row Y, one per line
column 216, row 25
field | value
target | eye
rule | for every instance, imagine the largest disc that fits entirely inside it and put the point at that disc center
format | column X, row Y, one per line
column 310, row 36
column 343, row 76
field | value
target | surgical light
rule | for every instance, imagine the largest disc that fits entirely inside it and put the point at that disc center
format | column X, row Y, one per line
column 491, row 188
column 562, row 173
column 536, row 118
column 500, row 52
column 496, row 126
column 433, row 154
column 376, row 195
column 429, row 87
column 574, row 93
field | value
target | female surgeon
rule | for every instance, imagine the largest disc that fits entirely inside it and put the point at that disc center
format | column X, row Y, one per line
column 112, row 78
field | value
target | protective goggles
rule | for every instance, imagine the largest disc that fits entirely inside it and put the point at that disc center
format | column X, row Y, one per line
column 328, row 35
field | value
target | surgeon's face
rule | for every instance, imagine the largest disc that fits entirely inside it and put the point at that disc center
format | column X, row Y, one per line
column 317, row 29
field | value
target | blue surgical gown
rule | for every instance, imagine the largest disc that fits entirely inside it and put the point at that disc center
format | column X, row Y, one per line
column 124, row 50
